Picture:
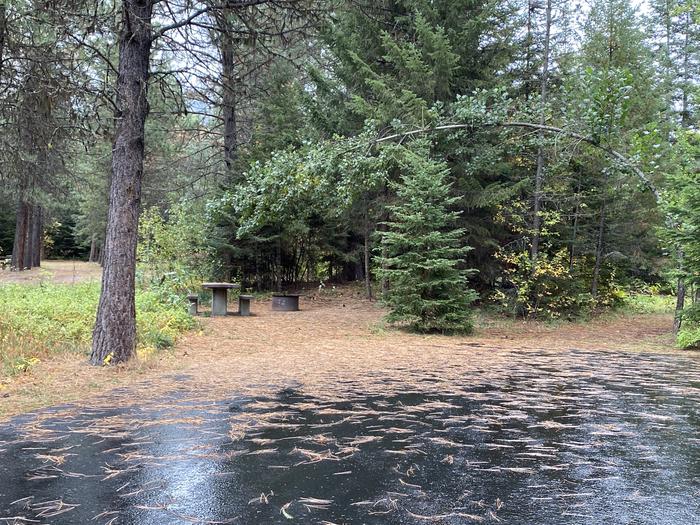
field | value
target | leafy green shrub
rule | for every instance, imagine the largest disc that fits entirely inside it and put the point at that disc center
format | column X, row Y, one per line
column 551, row 290
column 173, row 254
column 38, row 320
column 547, row 292
column 650, row 303
column 689, row 337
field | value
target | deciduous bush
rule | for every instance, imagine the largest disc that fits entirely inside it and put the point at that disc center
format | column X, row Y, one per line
column 173, row 253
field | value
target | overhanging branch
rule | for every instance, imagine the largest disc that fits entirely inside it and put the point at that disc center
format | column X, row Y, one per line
column 549, row 129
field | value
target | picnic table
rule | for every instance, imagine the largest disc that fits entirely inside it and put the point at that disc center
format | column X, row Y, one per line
column 219, row 303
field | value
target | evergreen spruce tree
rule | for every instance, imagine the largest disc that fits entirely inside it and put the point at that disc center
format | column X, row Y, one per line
column 422, row 254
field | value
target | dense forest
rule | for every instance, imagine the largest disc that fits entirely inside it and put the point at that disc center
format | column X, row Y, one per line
column 539, row 157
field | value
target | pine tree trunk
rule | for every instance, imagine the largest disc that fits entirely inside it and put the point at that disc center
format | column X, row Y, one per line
column 114, row 335
column 685, row 110
column 680, row 296
column 20, row 243
column 598, row 253
column 539, row 173
column 3, row 30
column 93, row 249
column 574, row 229
column 278, row 265
column 368, row 274
column 228, row 110
column 37, row 235
column 528, row 49
column 685, row 122
column 28, row 246
column 680, row 305
column 228, row 106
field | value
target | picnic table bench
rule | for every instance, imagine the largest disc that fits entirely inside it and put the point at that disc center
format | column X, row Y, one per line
column 244, row 305
column 219, row 303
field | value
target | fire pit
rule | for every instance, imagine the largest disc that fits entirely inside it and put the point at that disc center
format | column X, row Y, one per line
column 285, row 302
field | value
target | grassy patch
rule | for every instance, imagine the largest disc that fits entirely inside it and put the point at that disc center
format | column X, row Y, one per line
column 39, row 320
column 649, row 304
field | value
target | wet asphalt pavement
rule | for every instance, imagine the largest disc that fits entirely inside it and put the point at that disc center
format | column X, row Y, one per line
column 571, row 437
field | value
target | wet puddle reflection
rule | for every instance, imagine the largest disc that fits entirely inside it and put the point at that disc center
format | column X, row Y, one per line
column 558, row 438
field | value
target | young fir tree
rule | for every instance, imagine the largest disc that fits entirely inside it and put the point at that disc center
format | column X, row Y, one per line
column 422, row 253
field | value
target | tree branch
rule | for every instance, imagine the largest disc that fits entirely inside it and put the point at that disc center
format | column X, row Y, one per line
column 549, row 129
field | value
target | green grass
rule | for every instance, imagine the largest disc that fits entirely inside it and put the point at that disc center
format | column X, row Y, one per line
column 39, row 320
column 649, row 304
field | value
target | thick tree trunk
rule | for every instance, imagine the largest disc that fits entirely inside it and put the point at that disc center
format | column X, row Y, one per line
column 228, row 70
column 598, row 253
column 28, row 246
column 114, row 335
column 19, row 247
column 228, row 110
column 539, row 173
column 37, row 236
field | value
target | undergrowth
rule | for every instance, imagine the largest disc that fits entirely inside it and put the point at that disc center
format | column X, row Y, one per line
column 649, row 303
column 39, row 320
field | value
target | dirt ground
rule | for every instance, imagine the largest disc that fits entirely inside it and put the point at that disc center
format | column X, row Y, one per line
column 66, row 272
column 337, row 337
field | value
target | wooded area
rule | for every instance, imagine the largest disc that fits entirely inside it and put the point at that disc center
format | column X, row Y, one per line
column 535, row 156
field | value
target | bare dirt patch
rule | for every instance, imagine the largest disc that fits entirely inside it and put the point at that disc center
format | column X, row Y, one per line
column 337, row 338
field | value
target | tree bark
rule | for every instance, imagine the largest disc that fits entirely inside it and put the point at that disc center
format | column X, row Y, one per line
column 93, row 248
column 28, row 246
column 21, row 227
column 114, row 335
column 3, row 30
column 680, row 305
column 368, row 274
column 37, row 235
column 685, row 122
column 680, row 295
column 598, row 253
column 228, row 109
column 539, row 173
column 528, row 49
column 278, row 266
column 574, row 229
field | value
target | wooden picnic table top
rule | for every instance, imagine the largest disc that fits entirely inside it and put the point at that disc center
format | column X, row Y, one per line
column 220, row 285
